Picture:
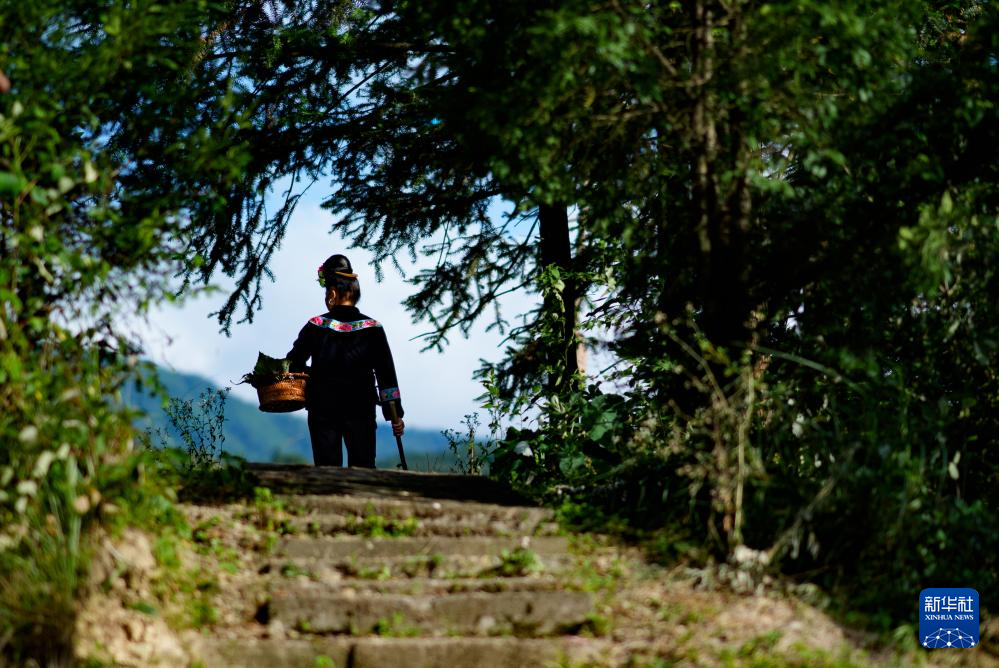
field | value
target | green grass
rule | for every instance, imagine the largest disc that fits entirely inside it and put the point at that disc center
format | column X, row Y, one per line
column 143, row 607
column 292, row 570
column 517, row 562
column 377, row 526
column 762, row 652
column 380, row 573
column 396, row 626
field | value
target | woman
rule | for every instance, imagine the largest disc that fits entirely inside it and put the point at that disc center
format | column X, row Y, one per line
column 349, row 354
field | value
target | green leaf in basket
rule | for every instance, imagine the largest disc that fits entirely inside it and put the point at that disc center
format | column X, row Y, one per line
column 270, row 366
column 267, row 370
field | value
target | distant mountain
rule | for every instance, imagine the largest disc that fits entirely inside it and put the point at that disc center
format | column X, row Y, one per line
column 284, row 437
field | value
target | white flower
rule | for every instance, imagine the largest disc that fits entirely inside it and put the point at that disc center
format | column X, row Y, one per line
column 798, row 426
column 524, row 449
column 27, row 488
column 43, row 464
column 70, row 394
column 29, row 434
column 81, row 504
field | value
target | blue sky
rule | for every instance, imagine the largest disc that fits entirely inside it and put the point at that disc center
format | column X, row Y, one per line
column 437, row 388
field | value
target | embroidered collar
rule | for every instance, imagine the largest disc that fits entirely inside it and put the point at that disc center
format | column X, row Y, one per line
column 336, row 325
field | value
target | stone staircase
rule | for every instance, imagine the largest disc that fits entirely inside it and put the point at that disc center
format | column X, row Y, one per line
column 385, row 569
column 373, row 569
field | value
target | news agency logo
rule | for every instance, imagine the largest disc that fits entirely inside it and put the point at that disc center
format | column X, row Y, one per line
column 948, row 617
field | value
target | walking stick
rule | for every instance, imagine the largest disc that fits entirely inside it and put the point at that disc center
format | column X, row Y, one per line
column 398, row 439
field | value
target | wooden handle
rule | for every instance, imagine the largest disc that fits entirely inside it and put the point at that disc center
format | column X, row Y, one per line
column 394, row 415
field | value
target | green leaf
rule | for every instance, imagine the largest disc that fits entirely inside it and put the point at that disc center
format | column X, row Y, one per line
column 946, row 204
column 267, row 370
column 11, row 184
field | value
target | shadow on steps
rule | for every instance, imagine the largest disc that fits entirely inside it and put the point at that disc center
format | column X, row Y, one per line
column 305, row 479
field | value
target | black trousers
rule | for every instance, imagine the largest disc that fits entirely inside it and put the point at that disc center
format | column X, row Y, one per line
column 328, row 432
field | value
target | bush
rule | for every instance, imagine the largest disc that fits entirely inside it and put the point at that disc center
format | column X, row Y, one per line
column 197, row 427
column 69, row 466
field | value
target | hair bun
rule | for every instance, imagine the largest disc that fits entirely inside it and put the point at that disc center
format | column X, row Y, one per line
column 336, row 263
column 337, row 274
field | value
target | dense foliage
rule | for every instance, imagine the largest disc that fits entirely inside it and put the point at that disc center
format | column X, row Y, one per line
column 86, row 244
column 797, row 258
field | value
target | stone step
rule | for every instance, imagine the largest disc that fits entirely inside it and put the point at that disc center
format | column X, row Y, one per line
column 313, row 608
column 365, row 515
column 346, row 652
column 380, row 525
column 304, row 479
column 347, row 547
column 415, row 507
column 420, row 586
column 435, row 566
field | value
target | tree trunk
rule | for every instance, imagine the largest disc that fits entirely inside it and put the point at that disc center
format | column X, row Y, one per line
column 556, row 249
column 723, row 211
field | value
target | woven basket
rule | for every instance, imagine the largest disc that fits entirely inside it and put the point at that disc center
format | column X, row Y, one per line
column 284, row 396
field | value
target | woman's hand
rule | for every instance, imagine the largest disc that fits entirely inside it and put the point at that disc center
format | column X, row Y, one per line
column 398, row 427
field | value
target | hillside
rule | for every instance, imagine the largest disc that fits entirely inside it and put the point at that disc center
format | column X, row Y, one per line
column 283, row 437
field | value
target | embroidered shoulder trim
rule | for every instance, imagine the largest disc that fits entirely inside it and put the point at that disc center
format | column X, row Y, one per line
column 337, row 326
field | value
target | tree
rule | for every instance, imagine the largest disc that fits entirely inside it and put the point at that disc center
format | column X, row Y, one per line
column 324, row 90
column 87, row 236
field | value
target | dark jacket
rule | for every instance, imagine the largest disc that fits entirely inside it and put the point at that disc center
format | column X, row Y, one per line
column 349, row 352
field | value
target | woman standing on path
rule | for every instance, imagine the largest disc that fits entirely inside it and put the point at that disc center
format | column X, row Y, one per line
column 349, row 353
